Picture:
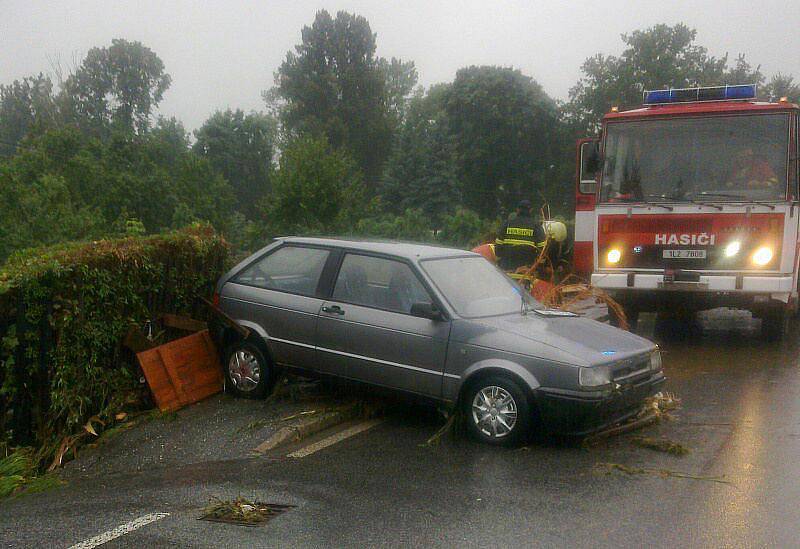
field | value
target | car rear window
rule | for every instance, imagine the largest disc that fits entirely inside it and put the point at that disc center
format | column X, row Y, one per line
column 289, row 268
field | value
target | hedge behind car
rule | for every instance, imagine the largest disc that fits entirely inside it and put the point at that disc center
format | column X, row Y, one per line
column 65, row 310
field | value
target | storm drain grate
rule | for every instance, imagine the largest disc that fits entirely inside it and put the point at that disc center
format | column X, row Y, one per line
column 242, row 512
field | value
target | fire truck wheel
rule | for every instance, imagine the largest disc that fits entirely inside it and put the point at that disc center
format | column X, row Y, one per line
column 775, row 324
column 677, row 325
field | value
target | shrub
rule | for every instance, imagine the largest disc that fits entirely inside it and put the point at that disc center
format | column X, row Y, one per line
column 64, row 311
column 466, row 229
column 412, row 226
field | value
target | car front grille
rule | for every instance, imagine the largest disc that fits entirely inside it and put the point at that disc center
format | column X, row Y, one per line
column 629, row 369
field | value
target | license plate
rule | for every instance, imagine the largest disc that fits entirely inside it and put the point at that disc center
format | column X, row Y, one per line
column 684, row 254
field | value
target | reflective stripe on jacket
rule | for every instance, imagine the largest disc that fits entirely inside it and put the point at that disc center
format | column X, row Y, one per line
column 522, row 231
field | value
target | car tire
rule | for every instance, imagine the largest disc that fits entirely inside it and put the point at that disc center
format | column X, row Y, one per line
column 488, row 419
column 248, row 373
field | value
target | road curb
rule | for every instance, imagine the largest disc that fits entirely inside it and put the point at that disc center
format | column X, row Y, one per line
column 304, row 429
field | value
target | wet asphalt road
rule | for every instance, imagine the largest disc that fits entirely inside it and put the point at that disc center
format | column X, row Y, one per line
column 740, row 417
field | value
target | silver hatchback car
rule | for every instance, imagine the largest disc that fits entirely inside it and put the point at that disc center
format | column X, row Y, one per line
column 437, row 322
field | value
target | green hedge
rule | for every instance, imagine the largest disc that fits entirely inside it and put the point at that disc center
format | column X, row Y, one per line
column 65, row 310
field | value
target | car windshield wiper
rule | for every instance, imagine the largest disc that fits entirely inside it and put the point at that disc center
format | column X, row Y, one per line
column 739, row 197
column 710, row 205
column 554, row 312
column 660, row 196
column 523, row 305
column 630, row 199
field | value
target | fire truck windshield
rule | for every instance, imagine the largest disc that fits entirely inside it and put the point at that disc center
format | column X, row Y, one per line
column 719, row 158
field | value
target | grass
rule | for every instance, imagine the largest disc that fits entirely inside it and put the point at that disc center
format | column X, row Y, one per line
column 18, row 475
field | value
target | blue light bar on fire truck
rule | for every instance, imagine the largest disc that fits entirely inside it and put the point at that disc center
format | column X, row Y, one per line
column 691, row 95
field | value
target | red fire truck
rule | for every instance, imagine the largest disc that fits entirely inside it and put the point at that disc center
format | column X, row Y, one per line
column 691, row 202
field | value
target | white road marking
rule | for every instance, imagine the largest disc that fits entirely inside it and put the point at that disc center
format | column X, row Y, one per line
column 120, row 530
column 334, row 438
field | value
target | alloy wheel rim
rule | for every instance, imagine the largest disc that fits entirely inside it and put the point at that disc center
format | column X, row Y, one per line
column 244, row 370
column 494, row 411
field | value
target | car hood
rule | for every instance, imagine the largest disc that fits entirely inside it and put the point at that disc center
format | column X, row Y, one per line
column 570, row 339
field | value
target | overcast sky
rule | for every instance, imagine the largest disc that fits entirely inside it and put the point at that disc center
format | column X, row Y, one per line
column 223, row 54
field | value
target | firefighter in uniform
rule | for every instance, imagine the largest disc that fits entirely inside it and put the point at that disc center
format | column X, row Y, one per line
column 520, row 241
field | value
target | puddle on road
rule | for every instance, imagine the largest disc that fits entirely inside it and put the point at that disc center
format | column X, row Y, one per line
column 728, row 340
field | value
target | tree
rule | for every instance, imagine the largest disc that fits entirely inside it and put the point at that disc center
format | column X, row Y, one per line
column 421, row 171
column 401, row 78
column 782, row 86
column 505, row 129
column 317, row 190
column 26, row 105
column 655, row 58
column 41, row 211
column 741, row 73
column 116, row 87
column 240, row 146
column 332, row 85
column 65, row 185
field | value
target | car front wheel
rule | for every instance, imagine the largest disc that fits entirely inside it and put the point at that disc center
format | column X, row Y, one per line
column 497, row 411
column 247, row 372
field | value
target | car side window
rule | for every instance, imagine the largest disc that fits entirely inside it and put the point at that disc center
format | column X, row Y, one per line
column 289, row 269
column 380, row 283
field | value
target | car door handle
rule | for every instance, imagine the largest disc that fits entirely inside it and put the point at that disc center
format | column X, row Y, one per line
column 335, row 309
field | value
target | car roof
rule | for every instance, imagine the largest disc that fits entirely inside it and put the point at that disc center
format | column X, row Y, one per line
column 409, row 250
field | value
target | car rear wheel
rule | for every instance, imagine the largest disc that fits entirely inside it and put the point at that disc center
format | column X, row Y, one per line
column 496, row 411
column 247, row 372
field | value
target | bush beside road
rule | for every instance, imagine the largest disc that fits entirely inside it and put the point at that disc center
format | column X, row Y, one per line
column 64, row 312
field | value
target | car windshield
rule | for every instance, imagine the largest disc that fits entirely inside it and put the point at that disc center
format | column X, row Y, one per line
column 474, row 287
column 683, row 159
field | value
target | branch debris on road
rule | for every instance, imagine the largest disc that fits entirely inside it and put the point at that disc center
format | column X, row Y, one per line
column 661, row 445
column 609, row 468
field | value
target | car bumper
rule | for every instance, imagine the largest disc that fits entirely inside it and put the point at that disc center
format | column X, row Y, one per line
column 779, row 287
column 581, row 413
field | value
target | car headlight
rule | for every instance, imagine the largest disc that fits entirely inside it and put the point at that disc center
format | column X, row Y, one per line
column 762, row 256
column 614, row 255
column 655, row 361
column 596, row 376
column 733, row 248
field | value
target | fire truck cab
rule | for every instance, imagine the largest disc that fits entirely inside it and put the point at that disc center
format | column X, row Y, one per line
column 691, row 202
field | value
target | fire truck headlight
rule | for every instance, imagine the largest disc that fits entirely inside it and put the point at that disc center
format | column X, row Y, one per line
column 733, row 248
column 762, row 256
column 614, row 255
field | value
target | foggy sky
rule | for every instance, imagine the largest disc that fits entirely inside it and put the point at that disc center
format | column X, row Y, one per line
column 223, row 54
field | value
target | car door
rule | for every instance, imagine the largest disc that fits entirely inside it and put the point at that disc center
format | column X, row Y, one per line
column 366, row 332
column 279, row 293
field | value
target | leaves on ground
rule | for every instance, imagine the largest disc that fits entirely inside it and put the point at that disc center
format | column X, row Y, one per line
column 241, row 511
column 661, row 445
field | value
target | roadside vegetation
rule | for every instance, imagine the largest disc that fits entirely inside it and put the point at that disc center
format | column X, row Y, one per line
column 64, row 312
column 348, row 143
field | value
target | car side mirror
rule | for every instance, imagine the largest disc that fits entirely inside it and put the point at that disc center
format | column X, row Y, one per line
column 426, row 310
